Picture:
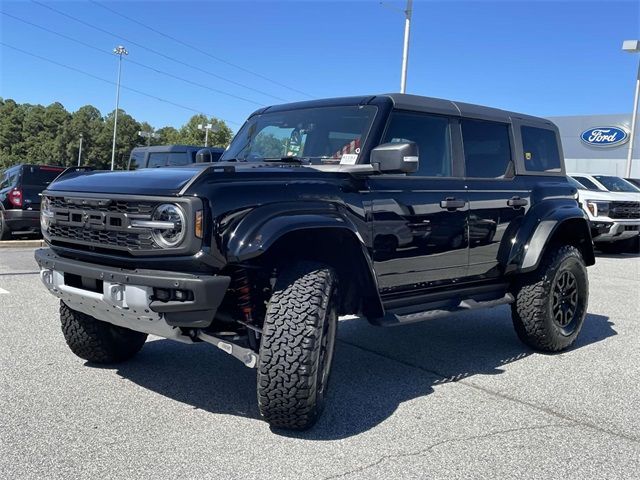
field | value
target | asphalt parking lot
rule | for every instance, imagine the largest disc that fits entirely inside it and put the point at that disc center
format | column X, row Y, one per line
column 454, row 398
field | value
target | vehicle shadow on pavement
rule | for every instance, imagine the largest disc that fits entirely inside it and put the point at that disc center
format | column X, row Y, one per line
column 375, row 369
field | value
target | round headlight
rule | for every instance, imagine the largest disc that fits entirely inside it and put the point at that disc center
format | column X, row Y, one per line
column 173, row 229
column 46, row 214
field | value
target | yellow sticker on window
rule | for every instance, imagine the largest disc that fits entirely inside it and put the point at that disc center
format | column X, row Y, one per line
column 527, row 155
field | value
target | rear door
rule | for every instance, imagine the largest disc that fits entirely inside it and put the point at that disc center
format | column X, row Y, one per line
column 33, row 181
column 419, row 220
column 498, row 199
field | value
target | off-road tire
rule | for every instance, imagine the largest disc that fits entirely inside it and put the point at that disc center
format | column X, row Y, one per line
column 297, row 346
column 533, row 309
column 5, row 234
column 97, row 341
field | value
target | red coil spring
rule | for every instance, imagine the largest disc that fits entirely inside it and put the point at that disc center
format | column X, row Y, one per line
column 243, row 293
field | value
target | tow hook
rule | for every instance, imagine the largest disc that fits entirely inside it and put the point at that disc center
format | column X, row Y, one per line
column 245, row 355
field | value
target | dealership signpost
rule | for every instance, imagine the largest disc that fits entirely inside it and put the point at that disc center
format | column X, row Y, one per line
column 632, row 46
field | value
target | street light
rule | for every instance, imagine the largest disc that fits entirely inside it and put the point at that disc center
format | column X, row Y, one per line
column 632, row 46
column 80, row 151
column 206, row 129
column 405, row 47
column 149, row 135
column 119, row 50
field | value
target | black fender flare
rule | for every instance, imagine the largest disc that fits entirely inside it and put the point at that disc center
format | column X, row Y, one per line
column 263, row 226
column 522, row 253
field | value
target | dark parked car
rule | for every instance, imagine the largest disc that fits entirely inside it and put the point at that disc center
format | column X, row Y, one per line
column 20, row 188
column 171, row 156
column 635, row 181
column 394, row 207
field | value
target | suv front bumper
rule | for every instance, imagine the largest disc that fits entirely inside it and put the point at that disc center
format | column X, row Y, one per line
column 607, row 230
column 128, row 297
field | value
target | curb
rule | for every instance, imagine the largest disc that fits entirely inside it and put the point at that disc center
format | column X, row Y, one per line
column 21, row 244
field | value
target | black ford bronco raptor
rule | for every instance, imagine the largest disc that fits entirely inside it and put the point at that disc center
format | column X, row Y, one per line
column 398, row 208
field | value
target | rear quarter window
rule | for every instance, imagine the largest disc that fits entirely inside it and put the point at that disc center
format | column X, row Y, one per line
column 540, row 149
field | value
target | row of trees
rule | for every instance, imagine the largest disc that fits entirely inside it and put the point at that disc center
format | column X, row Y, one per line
column 51, row 135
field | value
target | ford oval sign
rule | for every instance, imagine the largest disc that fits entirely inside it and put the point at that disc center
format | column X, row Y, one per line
column 604, row 136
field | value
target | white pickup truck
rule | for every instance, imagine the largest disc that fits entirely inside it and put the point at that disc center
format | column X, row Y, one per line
column 613, row 207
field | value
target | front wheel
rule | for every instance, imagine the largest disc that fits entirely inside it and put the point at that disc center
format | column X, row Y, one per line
column 97, row 341
column 297, row 346
column 551, row 303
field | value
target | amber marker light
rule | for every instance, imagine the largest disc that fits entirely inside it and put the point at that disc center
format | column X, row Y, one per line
column 199, row 226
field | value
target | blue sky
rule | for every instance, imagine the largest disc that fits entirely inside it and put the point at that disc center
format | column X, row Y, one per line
column 538, row 57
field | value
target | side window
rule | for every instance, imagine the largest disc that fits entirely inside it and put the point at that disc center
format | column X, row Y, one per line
column 432, row 135
column 8, row 179
column 487, row 149
column 540, row 150
column 136, row 160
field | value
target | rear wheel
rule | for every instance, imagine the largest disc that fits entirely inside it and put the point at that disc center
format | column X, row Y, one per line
column 98, row 341
column 4, row 228
column 297, row 346
column 551, row 303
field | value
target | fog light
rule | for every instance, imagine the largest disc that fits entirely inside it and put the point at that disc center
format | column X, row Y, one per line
column 162, row 294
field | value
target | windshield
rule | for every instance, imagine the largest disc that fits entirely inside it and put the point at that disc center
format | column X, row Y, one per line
column 616, row 184
column 587, row 184
column 317, row 135
column 576, row 183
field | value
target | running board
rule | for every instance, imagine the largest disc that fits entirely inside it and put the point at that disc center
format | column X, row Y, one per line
column 392, row 319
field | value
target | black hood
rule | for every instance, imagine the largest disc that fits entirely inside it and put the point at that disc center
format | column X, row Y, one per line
column 148, row 181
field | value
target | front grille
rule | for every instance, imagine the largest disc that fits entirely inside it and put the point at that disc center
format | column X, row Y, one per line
column 624, row 210
column 101, row 223
column 103, row 238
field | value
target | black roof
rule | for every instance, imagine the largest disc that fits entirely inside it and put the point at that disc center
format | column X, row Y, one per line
column 405, row 101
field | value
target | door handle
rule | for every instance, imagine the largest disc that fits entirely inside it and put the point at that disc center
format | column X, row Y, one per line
column 517, row 202
column 452, row 204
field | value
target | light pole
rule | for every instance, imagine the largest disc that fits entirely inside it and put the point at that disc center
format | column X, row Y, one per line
column 206, row 129
column 119, row 50
column 632, row 46
column 405, row 48
column 80, row 151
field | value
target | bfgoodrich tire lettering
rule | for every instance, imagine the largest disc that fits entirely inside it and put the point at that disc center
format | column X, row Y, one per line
column 98, row 341
column 297, row 346
column 551, row 303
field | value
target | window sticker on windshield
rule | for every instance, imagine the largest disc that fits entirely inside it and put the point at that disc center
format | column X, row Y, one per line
column 527, row 155
column 349, row 159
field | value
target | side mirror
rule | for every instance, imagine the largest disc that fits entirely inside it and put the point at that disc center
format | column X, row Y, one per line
column 203, row 155
column 401, row 157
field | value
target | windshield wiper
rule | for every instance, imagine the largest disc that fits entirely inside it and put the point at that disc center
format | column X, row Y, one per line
column 287, row 159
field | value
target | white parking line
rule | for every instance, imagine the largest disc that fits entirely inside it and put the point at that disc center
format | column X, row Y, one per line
column 2, row 290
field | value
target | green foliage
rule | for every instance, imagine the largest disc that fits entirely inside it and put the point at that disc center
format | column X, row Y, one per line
column 269, row 146
column 51, row 135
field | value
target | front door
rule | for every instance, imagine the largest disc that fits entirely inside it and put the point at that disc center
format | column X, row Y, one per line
column 419, row 220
